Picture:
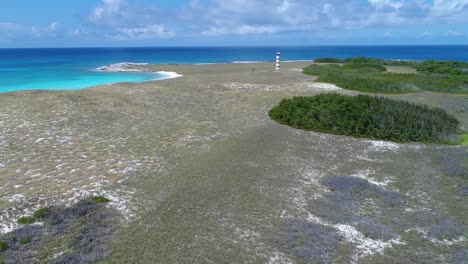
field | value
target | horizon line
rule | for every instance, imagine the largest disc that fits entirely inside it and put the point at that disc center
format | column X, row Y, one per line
column 240, row 46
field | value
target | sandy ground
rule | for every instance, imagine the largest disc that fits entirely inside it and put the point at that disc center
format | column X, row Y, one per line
column 202, row 175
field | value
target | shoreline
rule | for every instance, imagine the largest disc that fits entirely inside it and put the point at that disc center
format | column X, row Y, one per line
column 145, row 67
column 123, row 68
column 136, row 67
column 148, row 68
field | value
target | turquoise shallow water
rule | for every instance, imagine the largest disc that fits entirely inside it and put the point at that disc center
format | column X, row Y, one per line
column 74, row 68
column 70, row 81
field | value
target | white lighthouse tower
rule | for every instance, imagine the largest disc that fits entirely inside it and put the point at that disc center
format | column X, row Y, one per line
column 278, row 61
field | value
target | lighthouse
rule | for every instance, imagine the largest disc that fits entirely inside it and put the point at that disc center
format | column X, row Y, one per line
column 278, row 61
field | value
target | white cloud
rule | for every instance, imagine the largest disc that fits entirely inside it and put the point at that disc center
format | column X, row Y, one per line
column 35, row 32
column 145, row 33
column 52, row 27
column 133, row 20
column 244, row 17
column 240, row 17
column 382, row 4
column 450, row 7
column 427, row 34
column 330, row 11
column 109, row 12
column 275, row 16
column 7, row 26
column 127, row 22
column 10, row 30
column 453, row 33
column 52, row 30
column 245, row 30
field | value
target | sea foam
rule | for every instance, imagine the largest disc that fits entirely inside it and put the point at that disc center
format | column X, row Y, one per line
column 137, row 67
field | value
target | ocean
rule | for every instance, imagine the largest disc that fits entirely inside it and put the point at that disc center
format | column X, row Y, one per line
column 76, row 68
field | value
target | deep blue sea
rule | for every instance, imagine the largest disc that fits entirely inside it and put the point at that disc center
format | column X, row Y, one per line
column 75, row 68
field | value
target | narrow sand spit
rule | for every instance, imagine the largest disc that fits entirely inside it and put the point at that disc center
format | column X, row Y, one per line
column 136, row 67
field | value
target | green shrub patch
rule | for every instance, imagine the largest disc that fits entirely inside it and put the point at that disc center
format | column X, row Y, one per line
column 24, row 240
column 26, row 220
column 41, row 213
column 370, row 75
column 367, row 116
column 329, row 60
column 100, row 199
column 3, row 246
column 367, row 66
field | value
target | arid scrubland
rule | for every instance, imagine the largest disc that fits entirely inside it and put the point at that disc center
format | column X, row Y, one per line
column 198, row 173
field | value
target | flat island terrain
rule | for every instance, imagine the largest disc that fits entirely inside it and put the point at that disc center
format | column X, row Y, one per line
column 193, row 170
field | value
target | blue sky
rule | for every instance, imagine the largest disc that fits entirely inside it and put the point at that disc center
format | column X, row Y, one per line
column 92, row 23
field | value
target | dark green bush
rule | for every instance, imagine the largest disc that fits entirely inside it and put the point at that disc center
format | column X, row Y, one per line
column 372, row 80
column 329, row 60
column 41, row 213
column 369, row 60
column 100, row 199
column 3, row 246
column 364, row 60
column 26, row 220
column 443, row 67
column 367, row 66
column 366, row 116
column 24, row 240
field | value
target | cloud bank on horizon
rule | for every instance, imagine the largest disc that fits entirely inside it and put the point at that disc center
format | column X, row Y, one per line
column 239, row 22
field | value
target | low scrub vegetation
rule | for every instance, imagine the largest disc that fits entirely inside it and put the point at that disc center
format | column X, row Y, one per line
column 100, row 199
column 26, row 220
column 3, row 246
column 367, row 116
column 382, row 62
column 369, row 75
column 76, row 234
column 464, row 139
column 368, row 60
column 41, row 213
column 367, row 66
column 37, row 216
column 329, row 60
column 443, row 67
column 307, row 242
column 24, row 240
